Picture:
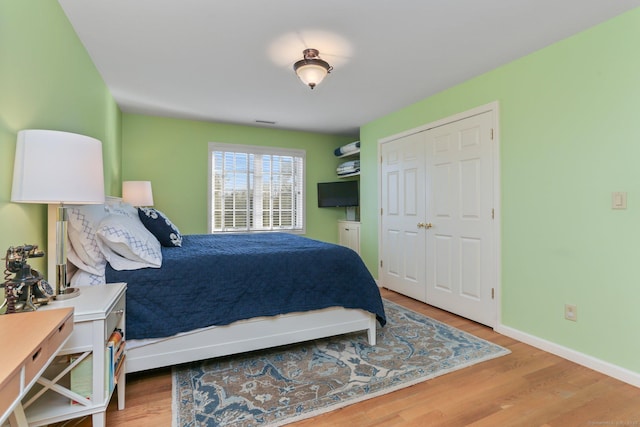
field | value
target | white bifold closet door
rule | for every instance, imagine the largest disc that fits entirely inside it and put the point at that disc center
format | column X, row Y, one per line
column 437, row 212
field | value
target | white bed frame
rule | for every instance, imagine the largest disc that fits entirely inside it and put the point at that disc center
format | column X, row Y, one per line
column 248, row 335
column 238, row 337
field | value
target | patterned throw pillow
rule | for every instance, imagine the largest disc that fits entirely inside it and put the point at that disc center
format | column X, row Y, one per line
column 160, row 226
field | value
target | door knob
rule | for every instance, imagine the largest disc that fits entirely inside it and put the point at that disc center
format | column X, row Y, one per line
column 421, row 225
column 428, row 225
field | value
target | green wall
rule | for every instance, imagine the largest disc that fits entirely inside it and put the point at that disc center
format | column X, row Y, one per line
column 47, row 81
column 569, row 138
column 173, row 155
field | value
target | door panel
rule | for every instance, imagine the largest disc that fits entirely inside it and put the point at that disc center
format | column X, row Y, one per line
column 439, row 186
column 461, row 174
column 392, row 258
column 410, row 190
column 442, row 263
column 393, row 193
column 470, row 268
column 469, row 192
column 412, row 262
column 403, row 243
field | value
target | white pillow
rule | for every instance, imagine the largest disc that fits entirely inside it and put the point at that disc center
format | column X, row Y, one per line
column 84, row 278
column 127, row 244
column 83, row 221
column 76, row 261
column 122, row 208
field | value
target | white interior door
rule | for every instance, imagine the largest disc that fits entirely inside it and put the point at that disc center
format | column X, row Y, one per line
column 459, row 189
column 403, row 207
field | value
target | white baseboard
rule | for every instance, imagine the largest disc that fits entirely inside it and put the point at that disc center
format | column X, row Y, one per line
column 590, row 362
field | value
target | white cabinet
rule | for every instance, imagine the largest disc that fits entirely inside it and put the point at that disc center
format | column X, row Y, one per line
column 87, row 357
column 349, row 235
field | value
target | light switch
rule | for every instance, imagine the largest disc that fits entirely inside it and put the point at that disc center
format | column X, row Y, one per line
column 619, row 200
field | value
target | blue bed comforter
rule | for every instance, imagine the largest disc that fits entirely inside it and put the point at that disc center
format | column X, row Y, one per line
column 219, row 279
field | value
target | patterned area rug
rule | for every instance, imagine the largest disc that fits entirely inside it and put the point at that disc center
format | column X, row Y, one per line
column 286, row 384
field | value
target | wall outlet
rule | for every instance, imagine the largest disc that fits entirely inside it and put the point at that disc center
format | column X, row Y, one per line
column 571, row 312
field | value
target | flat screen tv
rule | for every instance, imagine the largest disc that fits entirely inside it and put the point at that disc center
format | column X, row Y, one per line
column 337, row 194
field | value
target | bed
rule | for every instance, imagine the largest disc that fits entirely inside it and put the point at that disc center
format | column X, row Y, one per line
column 217, row 295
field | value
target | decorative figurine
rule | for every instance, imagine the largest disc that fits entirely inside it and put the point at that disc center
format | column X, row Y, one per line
column 27, row 290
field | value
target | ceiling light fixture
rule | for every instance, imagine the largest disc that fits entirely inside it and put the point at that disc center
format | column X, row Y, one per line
column 312, row 70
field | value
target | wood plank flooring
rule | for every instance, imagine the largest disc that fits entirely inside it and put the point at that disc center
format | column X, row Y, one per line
column 526, row 388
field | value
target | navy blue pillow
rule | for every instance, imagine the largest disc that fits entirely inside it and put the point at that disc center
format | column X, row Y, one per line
column 160, row 226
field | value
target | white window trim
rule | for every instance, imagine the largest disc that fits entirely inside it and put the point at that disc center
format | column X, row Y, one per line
column 256, row 149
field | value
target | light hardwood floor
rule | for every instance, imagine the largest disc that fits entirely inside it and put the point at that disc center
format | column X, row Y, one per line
column 525, row 388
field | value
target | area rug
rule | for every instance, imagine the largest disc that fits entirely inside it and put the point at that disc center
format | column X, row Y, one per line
column 285, row 384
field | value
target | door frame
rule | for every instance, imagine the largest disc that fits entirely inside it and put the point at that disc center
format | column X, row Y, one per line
column 494, row 108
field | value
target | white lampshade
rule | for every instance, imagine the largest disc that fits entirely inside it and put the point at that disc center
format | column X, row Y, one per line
column 137, row 193
column 54, row 167
column 62, row 168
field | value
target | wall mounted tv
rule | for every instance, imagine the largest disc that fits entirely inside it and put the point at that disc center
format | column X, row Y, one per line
column 338, row 194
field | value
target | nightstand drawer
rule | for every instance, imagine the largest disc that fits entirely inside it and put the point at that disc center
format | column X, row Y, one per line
column 81, row 338
column 114, row 318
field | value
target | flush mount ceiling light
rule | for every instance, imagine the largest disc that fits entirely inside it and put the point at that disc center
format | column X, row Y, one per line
column 311, row 70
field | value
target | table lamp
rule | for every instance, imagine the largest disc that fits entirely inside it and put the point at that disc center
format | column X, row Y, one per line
column 137, row 193
column 61, row 168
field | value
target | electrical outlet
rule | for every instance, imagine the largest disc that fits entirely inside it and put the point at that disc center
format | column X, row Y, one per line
column 571, row 312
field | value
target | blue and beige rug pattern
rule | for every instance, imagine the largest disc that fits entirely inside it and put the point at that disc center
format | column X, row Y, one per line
column 285, row 384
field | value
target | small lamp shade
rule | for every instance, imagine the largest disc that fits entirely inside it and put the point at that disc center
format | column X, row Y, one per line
column 137, row 193
column 54, row 167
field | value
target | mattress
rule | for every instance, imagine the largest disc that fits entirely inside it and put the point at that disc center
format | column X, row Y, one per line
column 217, row 279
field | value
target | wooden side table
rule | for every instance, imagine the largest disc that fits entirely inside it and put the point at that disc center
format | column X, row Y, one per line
column 30, row 342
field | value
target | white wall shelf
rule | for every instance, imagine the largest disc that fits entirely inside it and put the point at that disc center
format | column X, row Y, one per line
column 352, row 153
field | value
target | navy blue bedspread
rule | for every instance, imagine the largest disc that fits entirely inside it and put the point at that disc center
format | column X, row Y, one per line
column 219, row 279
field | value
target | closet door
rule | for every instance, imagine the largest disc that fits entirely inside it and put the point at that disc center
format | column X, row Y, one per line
column 403, row 208
column 437, row 231
column 459, row 187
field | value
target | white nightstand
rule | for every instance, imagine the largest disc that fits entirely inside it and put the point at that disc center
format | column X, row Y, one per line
column 98, row 311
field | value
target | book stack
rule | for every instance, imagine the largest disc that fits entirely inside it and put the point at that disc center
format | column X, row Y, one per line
column 115, row 352
column 82, row 374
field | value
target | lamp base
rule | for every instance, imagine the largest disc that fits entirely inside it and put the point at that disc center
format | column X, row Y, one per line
column 68, row 293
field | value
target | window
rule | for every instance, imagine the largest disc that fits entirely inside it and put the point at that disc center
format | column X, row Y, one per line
column 255, row 188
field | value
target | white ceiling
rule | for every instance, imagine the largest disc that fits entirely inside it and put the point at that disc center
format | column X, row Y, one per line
column 231, row 61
